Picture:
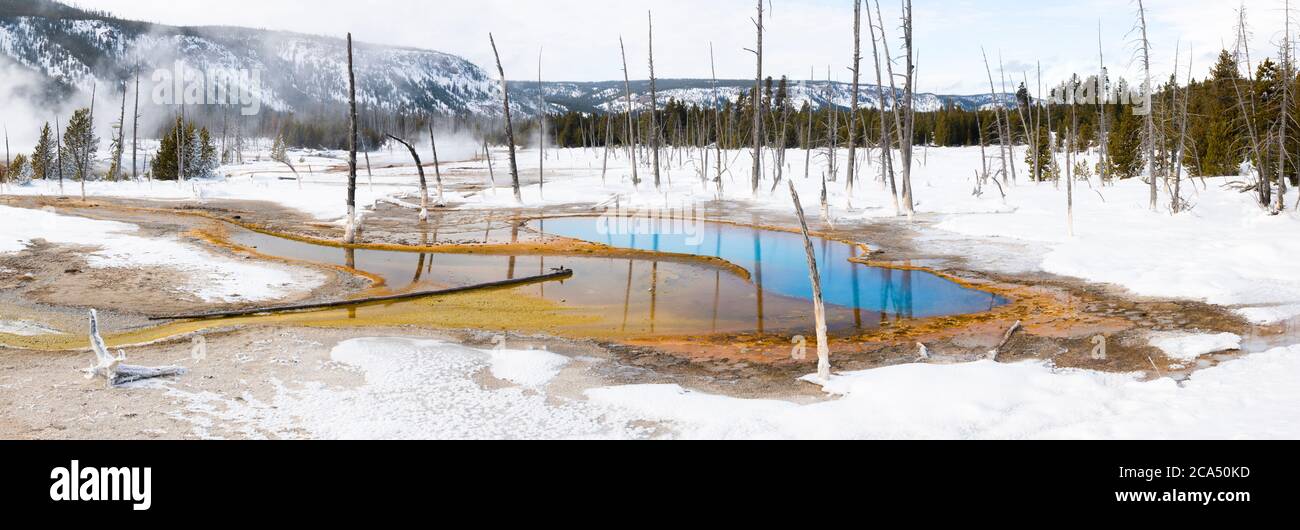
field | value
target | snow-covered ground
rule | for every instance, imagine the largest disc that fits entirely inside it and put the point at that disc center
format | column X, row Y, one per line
column 1224, row 251
column 209, row 277
column 429, row 389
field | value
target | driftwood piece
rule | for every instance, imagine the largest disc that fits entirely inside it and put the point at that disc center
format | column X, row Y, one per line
column 111, row 368
column 558, row 274
column 1006, row 338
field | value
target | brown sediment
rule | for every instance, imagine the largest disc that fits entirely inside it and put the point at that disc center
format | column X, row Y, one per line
column 1059, row 318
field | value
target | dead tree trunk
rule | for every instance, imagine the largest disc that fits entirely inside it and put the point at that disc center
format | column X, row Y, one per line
column 717, row 119
column 1284, row 118
column 135, row 126
column 120, row 148
column 758, row 105
column 853, row 105
column 1103, row 145
column 885, row 144
column 85, row 154
column 350, row 233
column 424, row 188
column 58, row 150
column 654, row 105
column 437, row 168
column 997, row 119
column 1148, row 93
column 819, row 307
column 541, row 132
column 492, row 173
column 510, row 131
column 631, row 115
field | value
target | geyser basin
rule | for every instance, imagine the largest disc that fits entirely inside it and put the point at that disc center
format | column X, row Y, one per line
column 777, row 263
column 638, row 296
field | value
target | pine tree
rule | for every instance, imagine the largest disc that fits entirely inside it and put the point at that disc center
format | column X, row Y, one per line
column 43, row 156
column 80, row 144
column 20, row 171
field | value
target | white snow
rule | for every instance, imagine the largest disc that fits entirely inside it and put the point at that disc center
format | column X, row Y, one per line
column 415, row 389
column 1253, row 398
column 1189, row 346
column 210, row 277
column 532, row 368
column 420, row 389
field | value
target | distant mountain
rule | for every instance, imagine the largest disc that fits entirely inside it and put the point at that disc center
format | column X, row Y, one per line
column 73, row 49
column 609, row 95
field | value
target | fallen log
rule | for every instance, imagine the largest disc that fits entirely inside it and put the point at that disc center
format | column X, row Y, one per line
column 559, row 274
column 112, row 368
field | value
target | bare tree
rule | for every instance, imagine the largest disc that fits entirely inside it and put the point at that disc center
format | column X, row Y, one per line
column 1284, row 116
column 120, row 144
column 717, row 118
column 631, row 115
column 758, row 104
column 1103, row 145
column 819, row 307
column 85, row 155
column 654, row 103
column 997, row 116
column 1176, row 202
column 135, row 125
column 437, row 168
column 350, row 233
column 1148, row 91
column 886, row 146
column 541, row 131
column 906, row 128
column 853, row 105
column 419, row 167
column 510, row 131
column 58, row 149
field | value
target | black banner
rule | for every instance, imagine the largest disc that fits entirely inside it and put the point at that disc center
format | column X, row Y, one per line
column 154, row 481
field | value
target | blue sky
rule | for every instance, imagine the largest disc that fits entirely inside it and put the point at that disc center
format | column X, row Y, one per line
column 579, row 38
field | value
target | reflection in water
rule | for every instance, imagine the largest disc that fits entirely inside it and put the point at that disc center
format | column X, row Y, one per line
column 778, row 266
column 775, row 298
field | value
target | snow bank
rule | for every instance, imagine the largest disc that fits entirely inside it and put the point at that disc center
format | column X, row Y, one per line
column 210, row 277
column 1189, row 346
column 420, row 389
column 1252, row 397
column 533, row 368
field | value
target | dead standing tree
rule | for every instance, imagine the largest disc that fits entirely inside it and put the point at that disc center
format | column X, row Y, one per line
column 819, row 306
column 424, row 188
column 758, row 104
column 510, row 131
column 541, row 131
column 904, row 118
column 886, row 146
column 350, row 233
column 631, row 115
column 654, row 104
column 437, row 168
column 853, row 104
column 1148, row 93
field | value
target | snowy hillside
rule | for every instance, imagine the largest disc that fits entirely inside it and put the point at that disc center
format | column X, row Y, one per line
column 610, row 95
column 73, row 49
column 297, row 71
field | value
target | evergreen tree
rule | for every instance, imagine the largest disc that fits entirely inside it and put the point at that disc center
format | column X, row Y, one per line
column 80, row 144
column 20, row 171
column 44, row 155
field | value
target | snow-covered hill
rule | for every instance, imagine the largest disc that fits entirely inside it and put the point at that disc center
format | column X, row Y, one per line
column 72, row 49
